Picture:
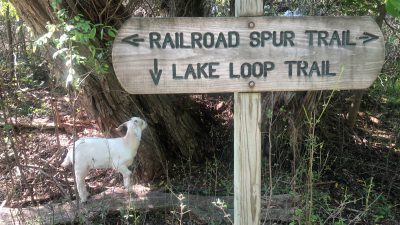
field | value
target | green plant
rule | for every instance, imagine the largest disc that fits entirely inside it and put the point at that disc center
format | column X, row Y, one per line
column 71, row 34
column 387, row 87
column 181, row 209
column 129, row 214
column 216, row 178
column 220, row 204
column 393, row 7
column 298, row 213
column 6, row 5
column 341, row 221
column 382, row 210
column 312, row 143
column 376, row 205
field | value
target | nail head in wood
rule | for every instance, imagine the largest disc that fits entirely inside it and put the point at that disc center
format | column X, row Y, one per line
column 251, row 25
column 252, row 84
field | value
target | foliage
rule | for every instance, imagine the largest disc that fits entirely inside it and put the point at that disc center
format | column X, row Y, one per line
column 6, row 5
column 219, row 7
column 70, row 34
column 27, row 72
column 361, row 8
column 387, row 89
column 393, row 7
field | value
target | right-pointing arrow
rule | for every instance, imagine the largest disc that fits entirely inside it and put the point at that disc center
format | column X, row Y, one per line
column 156, row 74
column 367, row 37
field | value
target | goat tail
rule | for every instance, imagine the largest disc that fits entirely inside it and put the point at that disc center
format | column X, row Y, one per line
column 67, row 160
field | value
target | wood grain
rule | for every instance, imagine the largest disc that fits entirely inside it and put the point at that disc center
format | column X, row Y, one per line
column 247, row 158
column 249, row 8
column 356, row 66
column 247, row 141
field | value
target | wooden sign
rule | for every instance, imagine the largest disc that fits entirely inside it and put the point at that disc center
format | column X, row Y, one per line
column 247, row 54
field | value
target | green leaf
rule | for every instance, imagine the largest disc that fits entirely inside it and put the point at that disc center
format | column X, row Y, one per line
column 7, row 127
column 270, row 113
column 111, row 33
column 54, row 3
column 393, row 7
column 92, row 33
column 92, row 50
column 85, row 26
column 61, row 13
column 101, row 34
column 11, row 10
column 51, row 27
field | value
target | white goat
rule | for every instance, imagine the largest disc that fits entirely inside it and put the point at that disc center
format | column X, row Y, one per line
column 117, row 153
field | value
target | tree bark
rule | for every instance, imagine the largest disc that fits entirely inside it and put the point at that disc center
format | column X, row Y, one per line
column 354, row 107
column 358, row 94
column 173, row 125
column 10, row 42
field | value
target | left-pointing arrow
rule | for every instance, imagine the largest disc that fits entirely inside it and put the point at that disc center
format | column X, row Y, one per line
column 133, row 40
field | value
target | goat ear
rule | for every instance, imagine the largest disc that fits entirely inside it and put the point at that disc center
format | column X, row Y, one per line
column 119, row 128
column 144, row 125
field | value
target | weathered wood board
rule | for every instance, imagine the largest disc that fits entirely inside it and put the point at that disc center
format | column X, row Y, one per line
column 247, row 157
column 247, row 54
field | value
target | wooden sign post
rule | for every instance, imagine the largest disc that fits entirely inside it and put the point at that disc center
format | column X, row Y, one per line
column 247, row 139
column 246, row 55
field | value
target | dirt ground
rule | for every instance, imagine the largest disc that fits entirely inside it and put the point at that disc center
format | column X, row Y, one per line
column 359, row 161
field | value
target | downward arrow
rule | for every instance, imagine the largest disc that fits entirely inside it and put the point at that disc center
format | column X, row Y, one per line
column 368, row 37
column 156, row 76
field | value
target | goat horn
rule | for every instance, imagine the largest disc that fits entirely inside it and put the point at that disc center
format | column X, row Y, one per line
column 119, row 128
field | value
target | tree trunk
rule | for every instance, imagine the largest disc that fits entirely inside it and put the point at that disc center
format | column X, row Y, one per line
column 171, row 123
column 354, row 107
column 358, row 94
column 10, row 42
column 21, row 40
